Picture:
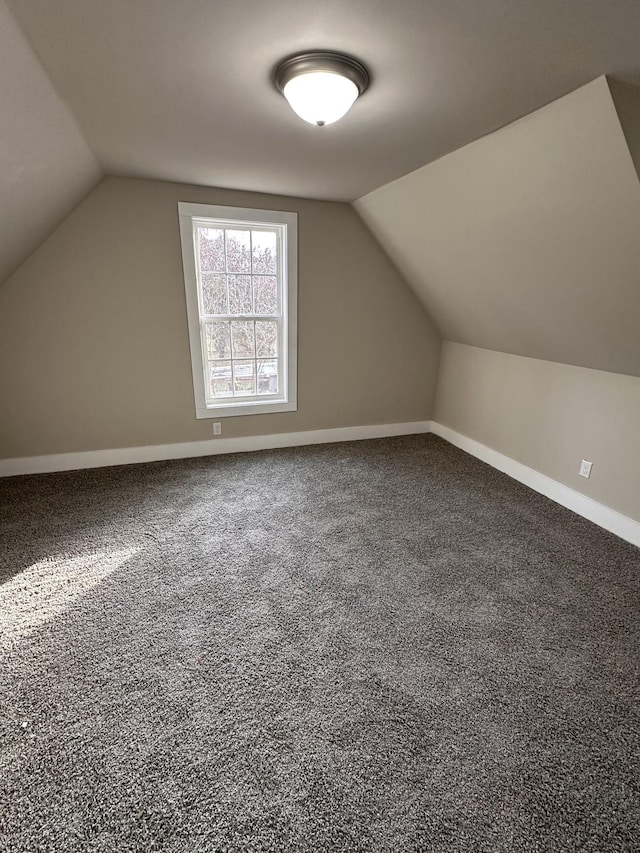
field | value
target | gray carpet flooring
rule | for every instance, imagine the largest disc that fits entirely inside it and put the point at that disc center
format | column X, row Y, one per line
column 376, row 646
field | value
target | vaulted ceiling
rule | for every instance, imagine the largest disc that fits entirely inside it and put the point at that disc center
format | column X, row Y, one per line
column 181, row 91
column 46, row 167
column 527, row 241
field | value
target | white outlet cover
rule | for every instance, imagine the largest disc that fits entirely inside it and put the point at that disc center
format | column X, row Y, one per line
column 585, row 468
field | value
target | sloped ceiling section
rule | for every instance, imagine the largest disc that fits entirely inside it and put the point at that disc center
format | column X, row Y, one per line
column 526, row 241
column 180, row 90
column 626, row 98
column 46, row 167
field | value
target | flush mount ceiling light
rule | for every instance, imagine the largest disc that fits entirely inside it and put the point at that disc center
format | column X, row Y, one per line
column 321, row 85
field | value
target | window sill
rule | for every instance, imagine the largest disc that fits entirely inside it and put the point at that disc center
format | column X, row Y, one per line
column 252, row 408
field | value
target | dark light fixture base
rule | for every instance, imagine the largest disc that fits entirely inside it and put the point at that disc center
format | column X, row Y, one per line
column 321, row 60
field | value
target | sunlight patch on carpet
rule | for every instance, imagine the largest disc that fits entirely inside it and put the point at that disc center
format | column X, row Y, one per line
column 44, row 590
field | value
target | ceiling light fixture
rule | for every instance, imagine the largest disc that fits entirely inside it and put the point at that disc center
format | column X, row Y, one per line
column 321, row 85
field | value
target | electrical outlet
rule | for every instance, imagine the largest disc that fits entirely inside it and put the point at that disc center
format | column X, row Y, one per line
column 217, row 429
column 585, row 468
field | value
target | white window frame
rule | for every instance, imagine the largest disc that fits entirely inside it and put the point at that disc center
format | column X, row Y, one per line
column 287, row 229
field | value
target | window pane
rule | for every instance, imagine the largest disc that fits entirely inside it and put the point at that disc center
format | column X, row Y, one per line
column 211, row 249
column 214, row 294
column 218, row 343
column 265, row 294
column 240, row 294
column 264, row 246
column 238, row 251
column 268, row 376
column 242, row 339
column 220, row 378
column 244, row 377
column 266, row 338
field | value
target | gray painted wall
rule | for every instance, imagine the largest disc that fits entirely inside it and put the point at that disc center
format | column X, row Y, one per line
column 549, row 417
column 94, row 348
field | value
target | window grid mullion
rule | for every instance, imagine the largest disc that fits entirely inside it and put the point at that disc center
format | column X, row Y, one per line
column 219, row 318
column 253, row 307
column 226, row 274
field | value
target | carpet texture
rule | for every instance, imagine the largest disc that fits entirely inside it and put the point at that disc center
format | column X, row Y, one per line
column 376, row 646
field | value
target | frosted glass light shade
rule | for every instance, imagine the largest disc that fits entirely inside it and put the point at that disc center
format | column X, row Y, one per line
column 320, row 85
column 320, row 97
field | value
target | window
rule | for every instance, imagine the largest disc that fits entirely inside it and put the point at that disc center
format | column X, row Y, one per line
column 240, row 275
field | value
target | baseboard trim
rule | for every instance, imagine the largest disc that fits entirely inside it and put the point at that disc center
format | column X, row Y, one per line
column 210, row 447
column 612, row 520
column 623, row 526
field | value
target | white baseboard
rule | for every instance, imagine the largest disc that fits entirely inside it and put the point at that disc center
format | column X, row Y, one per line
column 623, row 526
column 211, row 447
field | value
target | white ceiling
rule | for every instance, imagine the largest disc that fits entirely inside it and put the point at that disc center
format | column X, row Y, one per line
column 180, row 89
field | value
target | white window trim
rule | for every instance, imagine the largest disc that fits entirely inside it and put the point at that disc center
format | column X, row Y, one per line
column 187, row 213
